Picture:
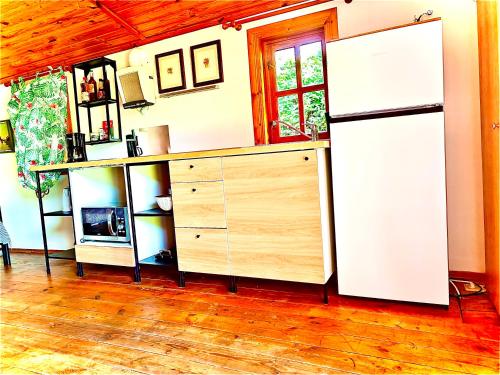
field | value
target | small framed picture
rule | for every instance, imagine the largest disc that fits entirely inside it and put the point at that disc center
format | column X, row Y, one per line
column 6, row 137
column 170, row 71
column 206, row 63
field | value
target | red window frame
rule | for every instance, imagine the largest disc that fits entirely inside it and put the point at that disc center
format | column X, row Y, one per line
column 272, row 94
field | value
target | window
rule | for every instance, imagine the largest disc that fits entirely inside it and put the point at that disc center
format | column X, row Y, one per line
column 285, row 83
column 296, row 87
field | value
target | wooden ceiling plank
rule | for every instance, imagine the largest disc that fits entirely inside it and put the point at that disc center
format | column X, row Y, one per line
column 65, row 36
column 203, row 15
column 120, row 20
column 229, row 13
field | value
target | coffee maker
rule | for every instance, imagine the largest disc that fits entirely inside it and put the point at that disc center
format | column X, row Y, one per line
column 75, row 145
column 133, row 148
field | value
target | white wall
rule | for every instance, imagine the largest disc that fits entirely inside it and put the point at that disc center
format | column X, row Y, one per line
column 223, row 118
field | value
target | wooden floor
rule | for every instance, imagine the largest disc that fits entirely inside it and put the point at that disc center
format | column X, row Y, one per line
column 106, row 324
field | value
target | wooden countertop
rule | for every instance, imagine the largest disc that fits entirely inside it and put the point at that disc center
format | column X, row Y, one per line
column 279, row 147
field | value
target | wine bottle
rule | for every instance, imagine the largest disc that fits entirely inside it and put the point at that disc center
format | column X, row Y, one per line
column 92, row 87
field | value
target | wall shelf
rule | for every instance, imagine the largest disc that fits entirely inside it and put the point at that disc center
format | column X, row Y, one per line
column 189, row 91
column 99, row 63
column 96, row 103
column 100, row 142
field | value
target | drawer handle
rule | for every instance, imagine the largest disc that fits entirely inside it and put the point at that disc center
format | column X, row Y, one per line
column 197, row 236
column 193, row 190
column 191, row 166
column 306, row 158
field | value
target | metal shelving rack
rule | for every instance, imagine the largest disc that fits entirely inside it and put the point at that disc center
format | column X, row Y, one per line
column 68, row 254
column 154, row 212
column 86, row 66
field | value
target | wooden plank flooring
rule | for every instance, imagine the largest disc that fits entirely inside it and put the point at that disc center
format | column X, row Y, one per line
column 106, row 324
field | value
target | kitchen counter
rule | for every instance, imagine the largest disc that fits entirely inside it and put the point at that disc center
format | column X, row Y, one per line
column 262, row 149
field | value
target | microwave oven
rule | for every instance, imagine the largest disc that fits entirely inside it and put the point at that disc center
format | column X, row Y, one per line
column 105, row 224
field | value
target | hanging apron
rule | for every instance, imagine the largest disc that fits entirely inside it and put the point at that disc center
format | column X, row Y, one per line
column 38, row 112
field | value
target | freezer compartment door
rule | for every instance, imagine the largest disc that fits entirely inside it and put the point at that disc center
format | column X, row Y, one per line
column 396, row 68
column 389, row 195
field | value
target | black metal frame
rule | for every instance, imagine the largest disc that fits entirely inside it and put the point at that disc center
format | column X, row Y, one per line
column 133, row 214
column 86, row 67
column 137, row 268
column 79, row 266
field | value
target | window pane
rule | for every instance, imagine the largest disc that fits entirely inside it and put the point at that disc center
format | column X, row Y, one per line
column 288, row 111
column 311, row 63
column 286, row 75
column 314, row 110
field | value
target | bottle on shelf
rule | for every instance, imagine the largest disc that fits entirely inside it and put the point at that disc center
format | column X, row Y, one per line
column 100, row 90
column 92, row 87
column 107, row 89
column 84, row 94
column 108, row 129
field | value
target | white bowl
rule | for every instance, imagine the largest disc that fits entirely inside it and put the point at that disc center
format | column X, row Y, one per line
column 165, row 202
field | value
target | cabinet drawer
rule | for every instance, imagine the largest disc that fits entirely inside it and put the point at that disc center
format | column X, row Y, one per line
column 115, row 256
column 202, row 250
column 191, row 170
column 199, row 204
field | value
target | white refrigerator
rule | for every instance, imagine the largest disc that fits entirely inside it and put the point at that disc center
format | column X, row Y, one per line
column 388, row 164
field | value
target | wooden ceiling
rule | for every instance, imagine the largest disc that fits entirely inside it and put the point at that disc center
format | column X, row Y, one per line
column 40, row 33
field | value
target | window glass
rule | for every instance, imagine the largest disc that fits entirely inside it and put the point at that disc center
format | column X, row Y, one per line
column 288, row 111
column 314, row 110
column 286, row 75
column 311, row 64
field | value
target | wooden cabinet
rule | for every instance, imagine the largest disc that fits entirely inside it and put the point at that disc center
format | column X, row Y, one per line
column 202, row 250
column 190, row 170
column 275, row 207
column 199, row 204
column 273, row 216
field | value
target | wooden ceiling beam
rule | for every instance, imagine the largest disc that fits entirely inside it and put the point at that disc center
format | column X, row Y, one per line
column 119, row 20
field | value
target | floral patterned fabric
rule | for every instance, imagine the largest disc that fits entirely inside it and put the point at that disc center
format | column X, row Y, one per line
column 38, row 113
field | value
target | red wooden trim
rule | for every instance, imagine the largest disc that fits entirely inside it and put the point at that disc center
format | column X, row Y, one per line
column 280, row 31
column 270, row 47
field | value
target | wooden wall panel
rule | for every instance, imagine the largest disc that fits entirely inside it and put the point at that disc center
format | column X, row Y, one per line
column 487, row 12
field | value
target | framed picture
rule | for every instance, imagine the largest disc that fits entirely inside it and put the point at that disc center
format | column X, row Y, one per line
column 170, row 71
column 6, row 137
column 206, row 62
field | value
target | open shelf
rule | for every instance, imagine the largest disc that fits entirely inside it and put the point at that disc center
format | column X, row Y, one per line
column 91, row 143
column 95, row 63
column 96, row 103
column 152, row 261
column 153, row 212
column 65, row 254
column 58, row 213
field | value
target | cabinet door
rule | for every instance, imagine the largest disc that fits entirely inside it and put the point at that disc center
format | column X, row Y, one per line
column 199, row 204
column 273, row 216
column 202, row 250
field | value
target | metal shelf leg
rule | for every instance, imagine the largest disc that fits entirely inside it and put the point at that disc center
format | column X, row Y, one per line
column 232, row 284
column 42, row 220
column 79, row 269
column 182, row 282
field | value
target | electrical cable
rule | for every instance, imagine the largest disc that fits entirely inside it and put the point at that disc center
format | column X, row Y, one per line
column 459, row 295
